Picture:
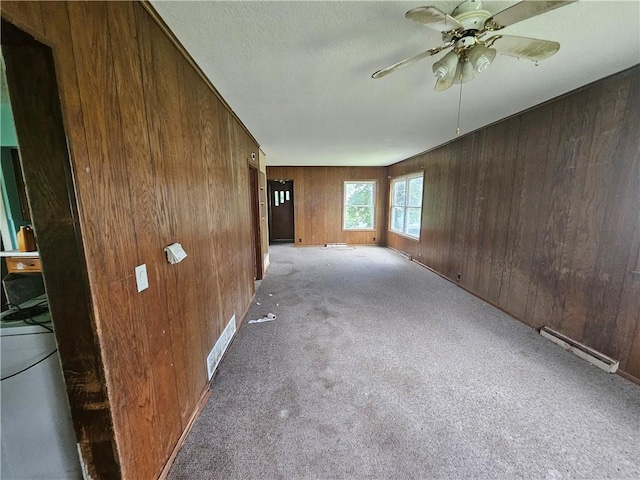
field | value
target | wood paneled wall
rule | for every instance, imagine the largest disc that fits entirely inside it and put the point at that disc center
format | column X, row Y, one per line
column 318, row 202
column 157, row 158
column 540, row 215
column 264, row 211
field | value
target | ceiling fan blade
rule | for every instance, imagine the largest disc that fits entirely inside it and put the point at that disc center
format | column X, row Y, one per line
column 522, row 47
column 522, row 11
column 409, row 61
column 434, row 18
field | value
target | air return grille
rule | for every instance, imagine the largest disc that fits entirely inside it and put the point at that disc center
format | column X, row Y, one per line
column 214, row 357
column 590, row 355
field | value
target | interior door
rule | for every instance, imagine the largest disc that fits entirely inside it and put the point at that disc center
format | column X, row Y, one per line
column 281, row 211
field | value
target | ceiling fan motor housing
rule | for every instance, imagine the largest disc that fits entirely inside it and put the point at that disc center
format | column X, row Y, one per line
column 467, row 6
column 474, row 20
column 472, row 16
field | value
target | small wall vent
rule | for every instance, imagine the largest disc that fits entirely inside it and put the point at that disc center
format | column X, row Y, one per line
column 214, row 357
column 586, row 353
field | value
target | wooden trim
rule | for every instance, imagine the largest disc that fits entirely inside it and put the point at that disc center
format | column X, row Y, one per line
column 536, row 215
column 375, row 210
column 243, row 317
column 25, row 27
column 628, row 376
column 547, row 102
column 22, row 191
column 622, row 373
column 253, row 160
column 404, row 176
column 256, row 227
column 400, row 234
column 185, row 53
column 494, row 305
column 409, row 257
column 319, row 195
column 187, row 429
column 49, row 178
column 201, row 403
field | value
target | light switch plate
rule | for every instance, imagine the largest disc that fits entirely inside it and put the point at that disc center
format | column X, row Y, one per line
column 141, row 277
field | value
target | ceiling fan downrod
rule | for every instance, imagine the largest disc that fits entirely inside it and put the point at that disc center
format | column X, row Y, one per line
column 459, row 103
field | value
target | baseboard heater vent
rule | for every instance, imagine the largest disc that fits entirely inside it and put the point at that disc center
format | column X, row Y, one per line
column 589, row 354
column 214, row 357
column 334, row 245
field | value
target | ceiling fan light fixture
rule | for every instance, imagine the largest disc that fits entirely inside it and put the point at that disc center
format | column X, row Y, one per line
column 466, row 72
column 480, row 57
column 446, row 67
column 463, row 31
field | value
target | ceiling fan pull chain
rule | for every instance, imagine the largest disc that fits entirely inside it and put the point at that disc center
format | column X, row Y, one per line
column 459, row 105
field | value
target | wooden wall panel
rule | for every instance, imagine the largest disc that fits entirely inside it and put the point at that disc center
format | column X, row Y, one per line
column 160, row 356
column 542, row 215
column 210, row 301
column 148, row 362
column 112, row 226
column 46, row 169
column 318, row 203
column 166, row 116
column 157, row 158
column 90, row 433
column 243, row 265
column 532, row 149
column 503, row 174
column 26, row 15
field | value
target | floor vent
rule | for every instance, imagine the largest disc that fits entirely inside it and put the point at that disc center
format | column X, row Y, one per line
column 589, row 354
column 330, row 245
column 214, row 357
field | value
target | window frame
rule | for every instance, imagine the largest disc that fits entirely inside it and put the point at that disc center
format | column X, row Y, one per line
column 374, row 183
column 405, row 178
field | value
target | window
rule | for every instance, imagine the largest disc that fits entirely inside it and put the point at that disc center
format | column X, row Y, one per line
column 406, row 205
column 359, row 201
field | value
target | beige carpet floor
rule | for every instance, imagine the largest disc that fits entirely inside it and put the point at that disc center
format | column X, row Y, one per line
column 376, row 368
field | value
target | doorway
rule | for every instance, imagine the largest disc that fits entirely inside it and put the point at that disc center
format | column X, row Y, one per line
column 46, row 168
column 254, row 199
column 281, row 211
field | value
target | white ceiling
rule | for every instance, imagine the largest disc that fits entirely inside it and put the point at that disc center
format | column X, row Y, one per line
column 298, row 74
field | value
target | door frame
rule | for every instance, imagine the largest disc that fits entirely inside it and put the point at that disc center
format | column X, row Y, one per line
column 49, row 179
column 254, row 201
column 269, row 203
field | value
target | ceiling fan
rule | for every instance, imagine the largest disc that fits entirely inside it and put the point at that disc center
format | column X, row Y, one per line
column 463, row 32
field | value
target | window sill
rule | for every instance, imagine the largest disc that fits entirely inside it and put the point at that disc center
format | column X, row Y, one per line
column 404, row 235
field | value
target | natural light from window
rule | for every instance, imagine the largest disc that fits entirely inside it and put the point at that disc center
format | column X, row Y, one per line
column 359, row 205
column 406, row 205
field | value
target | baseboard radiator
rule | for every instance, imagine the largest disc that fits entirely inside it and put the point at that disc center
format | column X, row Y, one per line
column 586, row 353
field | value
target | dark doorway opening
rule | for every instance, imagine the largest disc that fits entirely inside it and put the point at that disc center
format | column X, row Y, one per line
column 254, row 198
column 281, row 211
